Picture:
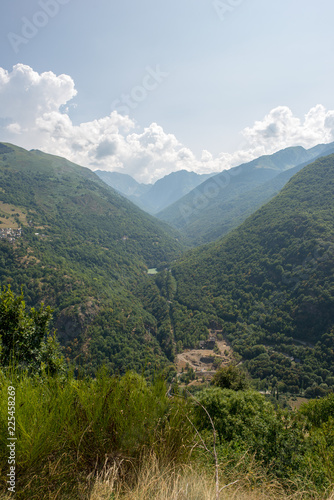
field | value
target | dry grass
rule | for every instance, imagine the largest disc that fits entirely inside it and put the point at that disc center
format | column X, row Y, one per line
column 10, row 211
column 156, row 482
column 295, row 403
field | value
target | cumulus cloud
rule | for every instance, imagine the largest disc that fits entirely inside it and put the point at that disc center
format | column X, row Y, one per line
column 25, row 94
column 280, row 129
column 34, row 114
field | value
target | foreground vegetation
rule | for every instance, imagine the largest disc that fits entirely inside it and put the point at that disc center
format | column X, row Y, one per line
column 90, row 438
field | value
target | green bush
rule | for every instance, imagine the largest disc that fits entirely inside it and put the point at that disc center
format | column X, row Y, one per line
column 231, row 377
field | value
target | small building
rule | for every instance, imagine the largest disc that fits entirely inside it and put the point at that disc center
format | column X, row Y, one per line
column 10, row 234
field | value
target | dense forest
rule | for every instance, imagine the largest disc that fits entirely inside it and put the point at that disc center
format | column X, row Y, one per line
column 79, row 437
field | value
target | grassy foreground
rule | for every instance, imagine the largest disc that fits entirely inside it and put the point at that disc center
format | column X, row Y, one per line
column 186, row 483
column 114, row 438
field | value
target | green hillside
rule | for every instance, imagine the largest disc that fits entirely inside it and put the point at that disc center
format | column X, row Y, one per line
column 223, row 202
column 271, row 284
column 83, row 249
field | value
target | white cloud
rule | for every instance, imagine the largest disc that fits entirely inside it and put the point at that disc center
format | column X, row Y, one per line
column 34, row 114
column 25, row 94
column 280, row 129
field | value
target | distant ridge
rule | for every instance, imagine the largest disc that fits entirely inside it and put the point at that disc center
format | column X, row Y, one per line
column 154, row 197
column 227, row 199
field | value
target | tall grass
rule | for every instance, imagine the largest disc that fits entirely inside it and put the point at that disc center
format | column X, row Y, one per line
column 168, row 482
column 67, row 429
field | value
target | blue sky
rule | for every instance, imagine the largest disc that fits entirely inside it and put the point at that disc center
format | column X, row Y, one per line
column 205, row 84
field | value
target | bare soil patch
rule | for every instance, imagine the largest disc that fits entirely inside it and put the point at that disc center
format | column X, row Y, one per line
column 295, row 403
column 202, row 360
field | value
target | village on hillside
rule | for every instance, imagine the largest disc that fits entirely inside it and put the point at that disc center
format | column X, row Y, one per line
column 10, row 234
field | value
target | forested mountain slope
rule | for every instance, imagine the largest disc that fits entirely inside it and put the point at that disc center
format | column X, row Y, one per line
column 227, row 199
column 71, row 241
column 271, row 284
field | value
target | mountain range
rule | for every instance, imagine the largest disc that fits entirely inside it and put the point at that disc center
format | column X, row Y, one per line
column 69, row 240
column 154, row 197
column 225, row 200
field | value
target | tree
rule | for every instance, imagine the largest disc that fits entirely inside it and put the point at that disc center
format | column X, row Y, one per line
column 231, row 377
column 24, row 335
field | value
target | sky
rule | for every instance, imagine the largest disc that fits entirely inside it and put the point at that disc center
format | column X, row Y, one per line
column 149, row 87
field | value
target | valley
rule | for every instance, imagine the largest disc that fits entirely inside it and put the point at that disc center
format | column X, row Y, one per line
column 166, row 250
column 130, row 333
column 127, row 293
